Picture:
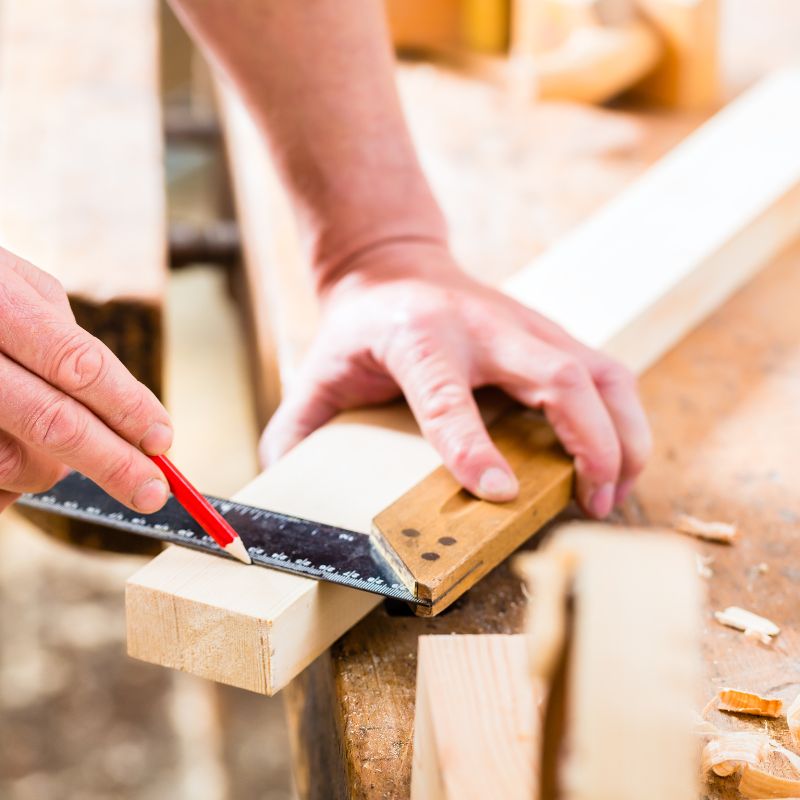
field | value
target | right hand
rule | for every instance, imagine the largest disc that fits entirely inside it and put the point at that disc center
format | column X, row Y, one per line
column 67, row 402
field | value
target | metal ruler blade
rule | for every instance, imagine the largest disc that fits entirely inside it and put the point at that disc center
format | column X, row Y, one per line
column 274, row 540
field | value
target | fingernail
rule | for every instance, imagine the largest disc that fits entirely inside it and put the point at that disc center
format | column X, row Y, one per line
column 150, row 496
column 602, row 501
column 498, row 485
column 157, row 440
column 623, row 490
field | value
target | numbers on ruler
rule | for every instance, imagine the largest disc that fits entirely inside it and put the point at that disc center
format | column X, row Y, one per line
column 93, row 510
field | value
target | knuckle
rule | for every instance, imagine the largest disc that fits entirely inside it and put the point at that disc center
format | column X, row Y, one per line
column 120, row 470
column 12, row 461
column 55, row 425
column 441, row 400
column 132, row 410
column 568, row 375
column 604, row 460
column 78, row 363
column 613, row 375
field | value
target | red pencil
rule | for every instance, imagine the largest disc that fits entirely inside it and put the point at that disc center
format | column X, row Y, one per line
column 202, row 512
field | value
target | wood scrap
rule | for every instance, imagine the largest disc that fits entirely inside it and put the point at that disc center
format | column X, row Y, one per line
column 711, row 531
column 631, row 666
column 475, row 720
column 752, row 625
column 742, row 702
column 727, row 751
column 757, row 783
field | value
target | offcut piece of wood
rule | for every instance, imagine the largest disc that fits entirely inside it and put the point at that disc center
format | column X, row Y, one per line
column 749, row 623
column 81, row 145
column 633, row 672
column 711, row 531
column 651, row 264
column 475, row 733
column 740, row 702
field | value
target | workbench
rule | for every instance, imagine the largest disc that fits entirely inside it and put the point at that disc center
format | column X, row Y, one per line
column 723, row 407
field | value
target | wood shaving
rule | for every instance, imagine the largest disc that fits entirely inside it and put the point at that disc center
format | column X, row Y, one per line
column 793, row 720
column 749, row 703
column 752, row 624
column 703, row 568
column 710, row 531
column 756, row 783
column 728, row 751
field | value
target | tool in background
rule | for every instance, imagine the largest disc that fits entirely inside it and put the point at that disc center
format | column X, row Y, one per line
column 201, row 511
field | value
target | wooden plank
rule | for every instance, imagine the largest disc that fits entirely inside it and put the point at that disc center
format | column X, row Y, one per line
column 347, row 475
column 80, row 143
column 633, row 671
column 476, row 731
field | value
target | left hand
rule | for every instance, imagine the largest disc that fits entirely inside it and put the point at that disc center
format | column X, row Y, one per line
column 406, row 319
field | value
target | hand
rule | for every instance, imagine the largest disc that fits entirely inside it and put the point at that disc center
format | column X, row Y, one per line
column 67, row 401
column 405, row 318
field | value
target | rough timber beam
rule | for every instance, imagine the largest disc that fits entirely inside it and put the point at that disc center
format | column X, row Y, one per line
column 81, row 163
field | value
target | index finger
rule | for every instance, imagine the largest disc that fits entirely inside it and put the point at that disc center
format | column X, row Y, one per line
column 81, row 366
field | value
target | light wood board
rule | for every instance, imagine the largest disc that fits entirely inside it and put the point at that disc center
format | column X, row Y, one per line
column 81, row 163
column 476, row 730
column 649, row 266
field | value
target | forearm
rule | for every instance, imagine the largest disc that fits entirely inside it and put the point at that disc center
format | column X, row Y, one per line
column 318, row 77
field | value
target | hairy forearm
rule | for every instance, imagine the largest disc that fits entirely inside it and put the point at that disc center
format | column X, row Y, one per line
column 318, row 78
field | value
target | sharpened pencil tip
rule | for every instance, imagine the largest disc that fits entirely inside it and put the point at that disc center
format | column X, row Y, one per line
column 237, row 549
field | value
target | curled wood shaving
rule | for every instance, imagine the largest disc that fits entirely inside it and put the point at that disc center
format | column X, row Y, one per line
column 728, row 751
column 752, row 624
column 793, row 720
column 711, row 531
column 749, row 703
column 756, row 783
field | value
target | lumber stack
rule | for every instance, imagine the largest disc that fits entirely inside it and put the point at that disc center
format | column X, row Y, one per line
column 651, row 265
column 81, row 163
column 597, row 700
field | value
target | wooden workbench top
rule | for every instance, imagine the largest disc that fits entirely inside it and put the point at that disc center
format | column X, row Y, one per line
column 724, row 410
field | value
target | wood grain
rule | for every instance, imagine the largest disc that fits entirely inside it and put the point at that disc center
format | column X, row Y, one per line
column 476, row 719
column 82, row 164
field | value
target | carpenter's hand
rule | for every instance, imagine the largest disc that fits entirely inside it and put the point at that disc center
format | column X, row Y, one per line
column 66, row 401
column 408, row 319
